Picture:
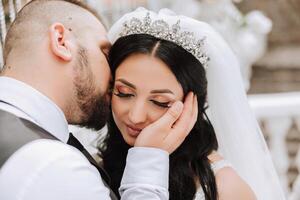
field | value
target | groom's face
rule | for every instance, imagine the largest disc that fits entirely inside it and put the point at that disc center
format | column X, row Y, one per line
column 91, row 80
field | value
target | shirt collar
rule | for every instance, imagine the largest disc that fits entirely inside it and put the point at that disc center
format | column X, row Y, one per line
column 39, row 108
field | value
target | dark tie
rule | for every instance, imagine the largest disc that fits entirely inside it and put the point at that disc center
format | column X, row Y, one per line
column 75, row 143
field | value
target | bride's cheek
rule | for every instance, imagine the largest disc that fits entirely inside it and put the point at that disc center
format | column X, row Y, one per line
column 120, row 106
column 156, row 114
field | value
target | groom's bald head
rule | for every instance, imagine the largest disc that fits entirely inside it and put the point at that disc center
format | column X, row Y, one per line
column 33, row 21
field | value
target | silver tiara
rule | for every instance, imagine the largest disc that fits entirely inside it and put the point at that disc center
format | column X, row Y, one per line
column 160, row 29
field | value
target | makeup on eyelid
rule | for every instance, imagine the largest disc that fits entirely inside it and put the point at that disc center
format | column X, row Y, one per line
column 161, row 99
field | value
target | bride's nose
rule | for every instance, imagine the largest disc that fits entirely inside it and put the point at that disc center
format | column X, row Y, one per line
column 138, row 113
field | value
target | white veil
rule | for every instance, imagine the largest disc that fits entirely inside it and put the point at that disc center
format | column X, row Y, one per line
column 239, row 136
column 240, row 139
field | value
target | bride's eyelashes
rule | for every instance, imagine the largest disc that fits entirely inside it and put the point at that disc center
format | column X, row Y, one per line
column 120, row 94
column 123, row 95
column 161, row 104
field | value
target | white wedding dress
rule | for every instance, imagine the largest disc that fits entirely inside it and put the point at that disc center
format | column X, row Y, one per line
column 216, row 166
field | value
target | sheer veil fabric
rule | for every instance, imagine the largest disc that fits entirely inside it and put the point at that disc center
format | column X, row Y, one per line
column 240, row 139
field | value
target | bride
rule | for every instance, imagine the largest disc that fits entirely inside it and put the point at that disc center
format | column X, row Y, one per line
column 157, row 59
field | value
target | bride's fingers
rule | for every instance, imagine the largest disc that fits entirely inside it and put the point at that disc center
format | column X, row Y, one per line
column 183, row 121
column 170, row 117
column 161, row 134
column 195, row 113
column 154, row 135
column 182, row 127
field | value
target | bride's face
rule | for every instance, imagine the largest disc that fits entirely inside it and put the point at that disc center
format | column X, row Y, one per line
column 144, row 88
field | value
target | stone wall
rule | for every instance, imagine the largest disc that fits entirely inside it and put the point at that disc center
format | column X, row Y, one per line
column 285, row 15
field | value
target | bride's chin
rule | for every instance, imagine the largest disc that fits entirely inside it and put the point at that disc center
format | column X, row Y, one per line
column 129, row 140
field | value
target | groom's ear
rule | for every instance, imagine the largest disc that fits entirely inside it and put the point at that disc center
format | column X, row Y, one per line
column 60, row 42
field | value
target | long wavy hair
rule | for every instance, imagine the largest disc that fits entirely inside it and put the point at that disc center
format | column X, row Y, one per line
column 189, row 164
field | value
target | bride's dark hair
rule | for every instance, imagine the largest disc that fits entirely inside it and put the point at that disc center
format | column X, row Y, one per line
column 189, row 163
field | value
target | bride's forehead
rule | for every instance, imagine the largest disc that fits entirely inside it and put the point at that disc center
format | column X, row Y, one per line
column 147, row 72
column 143, row 64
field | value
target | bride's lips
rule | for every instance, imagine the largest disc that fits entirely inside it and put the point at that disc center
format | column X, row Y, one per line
column 133, row 131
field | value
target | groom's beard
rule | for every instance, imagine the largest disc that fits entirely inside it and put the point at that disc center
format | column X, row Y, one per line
column 96, row 112
column 94, row 107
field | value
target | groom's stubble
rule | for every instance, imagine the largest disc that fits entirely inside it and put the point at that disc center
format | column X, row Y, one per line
column 93, row 106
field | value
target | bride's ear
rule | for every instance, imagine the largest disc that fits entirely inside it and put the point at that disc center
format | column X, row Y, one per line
column 60, row 42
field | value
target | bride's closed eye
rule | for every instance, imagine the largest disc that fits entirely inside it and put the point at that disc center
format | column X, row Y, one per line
column 161, row 104
column 122, row 94
column 162, row 100
column 128, row 95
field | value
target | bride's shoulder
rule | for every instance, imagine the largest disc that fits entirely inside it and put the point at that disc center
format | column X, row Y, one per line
column 230, row 184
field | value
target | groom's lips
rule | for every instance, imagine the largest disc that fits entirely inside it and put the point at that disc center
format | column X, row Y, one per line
column 133, row 131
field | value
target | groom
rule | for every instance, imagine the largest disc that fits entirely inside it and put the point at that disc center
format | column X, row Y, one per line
column 56, row 73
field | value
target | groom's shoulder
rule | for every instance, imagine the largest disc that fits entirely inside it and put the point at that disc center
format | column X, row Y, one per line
column 44, row 160
column 43, row 166
column 46, row 152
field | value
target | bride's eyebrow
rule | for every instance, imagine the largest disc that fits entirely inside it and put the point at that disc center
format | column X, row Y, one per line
column 152, row 91
column 126, row 83
column 161, row 91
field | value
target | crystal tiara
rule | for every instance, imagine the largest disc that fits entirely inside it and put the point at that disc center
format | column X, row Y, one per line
column 160, row 29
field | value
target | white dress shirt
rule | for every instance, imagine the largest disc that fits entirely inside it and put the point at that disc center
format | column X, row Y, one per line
column 52, row 170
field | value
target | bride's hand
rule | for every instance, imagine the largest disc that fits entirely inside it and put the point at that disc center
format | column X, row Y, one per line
column 171, row 129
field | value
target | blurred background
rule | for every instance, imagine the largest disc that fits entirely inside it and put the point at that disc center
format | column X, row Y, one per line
column 265, row 35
